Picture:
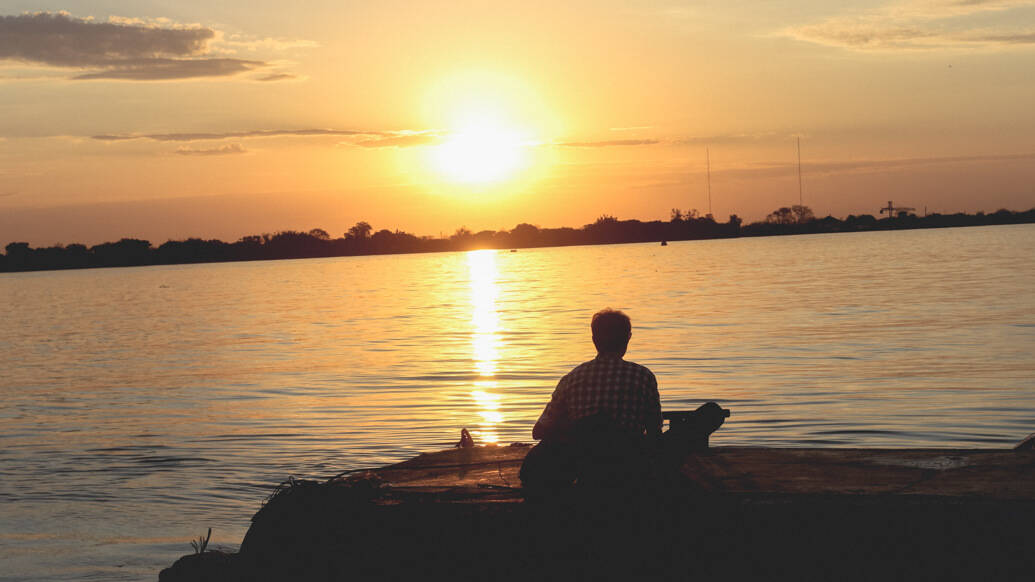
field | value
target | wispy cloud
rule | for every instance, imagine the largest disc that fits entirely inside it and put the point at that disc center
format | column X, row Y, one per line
column 277, row 77
column 165, row 69
column 677, row 141
column 203, row 136
column 234, row 43
column 607, row 143
column 120, row 48
column 1000, row 38
column 919, row 25
column 233, row 148
column 733, row 138
column 861, row 166
column 403, row 139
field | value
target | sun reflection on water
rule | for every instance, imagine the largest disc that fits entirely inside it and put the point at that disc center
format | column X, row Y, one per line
column 485, row 341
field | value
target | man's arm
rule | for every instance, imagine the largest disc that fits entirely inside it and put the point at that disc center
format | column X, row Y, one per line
column 653, row 413
column 554, row 419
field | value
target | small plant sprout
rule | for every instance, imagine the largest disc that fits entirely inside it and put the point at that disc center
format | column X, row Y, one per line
column 201, row 544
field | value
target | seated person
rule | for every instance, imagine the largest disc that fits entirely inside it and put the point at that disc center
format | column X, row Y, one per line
column 602, row 420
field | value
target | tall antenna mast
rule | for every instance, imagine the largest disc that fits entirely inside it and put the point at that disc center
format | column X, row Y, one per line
column 708, row 158
column 799, row 171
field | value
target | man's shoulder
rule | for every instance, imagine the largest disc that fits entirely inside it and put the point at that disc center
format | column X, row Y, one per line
column 639, row 368
column 584, row 366
column 598, row 365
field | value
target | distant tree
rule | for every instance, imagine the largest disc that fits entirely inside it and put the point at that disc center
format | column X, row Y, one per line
column 691, row 214
column 863, row 220
column 320, row 234
column 524, row 230
column 802, row 213
column 126, row 252
column 484, row 239
column 383, row 240
column 782, row 215
column 16, row 248
column 17, row 255
column 606, row 229
column 361, row 230
column 676, row 216
column 461, row 233
column 524, row 234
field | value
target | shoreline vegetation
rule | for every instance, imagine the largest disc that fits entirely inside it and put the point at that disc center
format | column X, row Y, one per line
column 362, row 239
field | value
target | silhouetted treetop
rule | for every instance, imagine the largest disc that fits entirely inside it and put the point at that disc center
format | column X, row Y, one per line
column 360, row 231
column 359, row 240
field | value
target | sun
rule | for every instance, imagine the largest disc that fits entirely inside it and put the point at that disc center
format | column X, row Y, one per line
column 482, row 149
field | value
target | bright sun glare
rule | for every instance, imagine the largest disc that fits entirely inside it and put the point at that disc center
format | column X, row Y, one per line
column 482, row 149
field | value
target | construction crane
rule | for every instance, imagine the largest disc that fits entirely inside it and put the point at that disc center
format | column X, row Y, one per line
column 893, row 210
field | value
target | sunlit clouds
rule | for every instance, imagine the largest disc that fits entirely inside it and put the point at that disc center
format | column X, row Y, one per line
column 224, row 120
column 925, row 25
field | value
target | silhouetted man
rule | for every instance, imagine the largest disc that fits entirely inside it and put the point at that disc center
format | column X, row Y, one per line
column 602, row 419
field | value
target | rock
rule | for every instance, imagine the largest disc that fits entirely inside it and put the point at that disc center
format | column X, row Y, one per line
column 1028, row 444
column 213, row 566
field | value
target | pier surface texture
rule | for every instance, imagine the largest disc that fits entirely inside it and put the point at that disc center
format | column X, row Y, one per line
column 732, row 512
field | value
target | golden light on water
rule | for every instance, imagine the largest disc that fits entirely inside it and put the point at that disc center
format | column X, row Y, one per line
column 485, row 340
column 484, row 318
column 488, row 403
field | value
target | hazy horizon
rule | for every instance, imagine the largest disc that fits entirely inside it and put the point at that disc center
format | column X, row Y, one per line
column 92, row 218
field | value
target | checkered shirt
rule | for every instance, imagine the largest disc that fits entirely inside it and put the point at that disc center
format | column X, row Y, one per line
column 625, row 391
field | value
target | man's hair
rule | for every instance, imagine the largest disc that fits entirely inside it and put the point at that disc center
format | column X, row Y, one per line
column 611, row 330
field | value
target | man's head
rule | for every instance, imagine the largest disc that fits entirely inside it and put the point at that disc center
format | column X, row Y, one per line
column 611, row 331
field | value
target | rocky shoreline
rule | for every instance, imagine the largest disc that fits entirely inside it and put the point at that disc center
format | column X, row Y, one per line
column 806, row 514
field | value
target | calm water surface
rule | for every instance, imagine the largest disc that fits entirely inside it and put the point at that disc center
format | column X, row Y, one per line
column 139, row 407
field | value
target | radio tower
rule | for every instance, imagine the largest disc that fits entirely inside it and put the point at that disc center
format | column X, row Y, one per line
column 708, row 161
column 799, row 171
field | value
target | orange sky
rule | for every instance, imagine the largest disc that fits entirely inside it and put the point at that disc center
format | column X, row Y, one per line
column 160, row 121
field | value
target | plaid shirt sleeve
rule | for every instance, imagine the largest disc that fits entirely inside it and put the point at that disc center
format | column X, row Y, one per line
column 625, row 391
column 555, row 416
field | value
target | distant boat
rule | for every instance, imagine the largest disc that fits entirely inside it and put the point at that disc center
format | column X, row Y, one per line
column 664, row 243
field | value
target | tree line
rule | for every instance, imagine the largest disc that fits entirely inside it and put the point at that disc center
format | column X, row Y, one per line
column 362, row 239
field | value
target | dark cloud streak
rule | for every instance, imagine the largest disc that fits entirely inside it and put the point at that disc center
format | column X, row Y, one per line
column 608, row 143
column 1013, row 39
column 277, row 77
column 114, row 50
column 166, row 69
column 238, row 134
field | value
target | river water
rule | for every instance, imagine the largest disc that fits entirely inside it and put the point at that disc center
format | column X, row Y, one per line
column 140, row 406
